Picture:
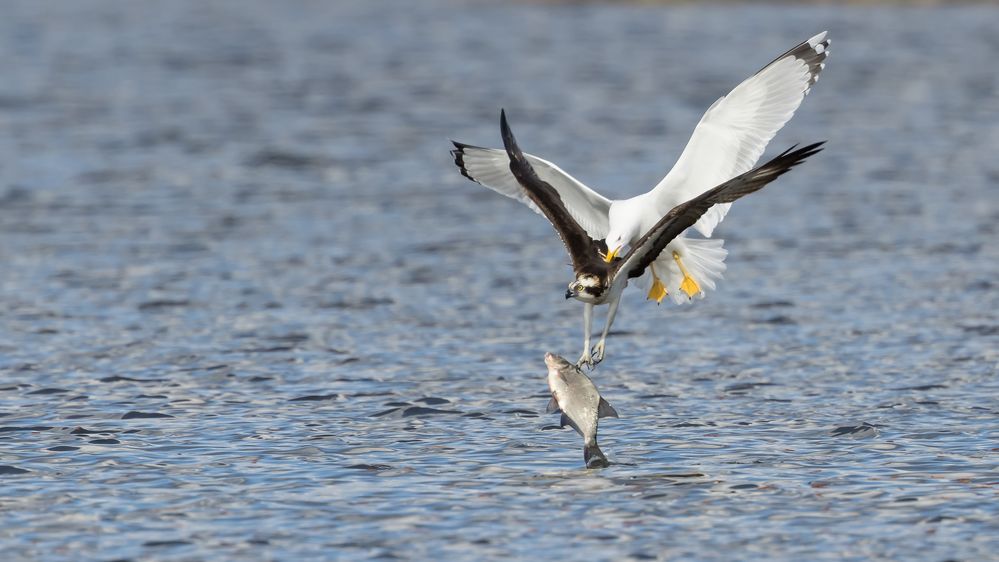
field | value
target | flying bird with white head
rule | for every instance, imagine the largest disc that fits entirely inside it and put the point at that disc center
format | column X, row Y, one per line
column 598, row 281
column 727, row 142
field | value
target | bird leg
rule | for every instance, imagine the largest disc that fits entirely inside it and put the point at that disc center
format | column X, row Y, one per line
column 598, row 350
column 688, row 286
column 585, row 359
column 657, row 291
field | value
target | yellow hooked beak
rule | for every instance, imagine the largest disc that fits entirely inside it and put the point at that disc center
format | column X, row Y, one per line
column 611, row 254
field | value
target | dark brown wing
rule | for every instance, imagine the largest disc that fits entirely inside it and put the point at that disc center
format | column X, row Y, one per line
column 683, row 216
column 583, row 250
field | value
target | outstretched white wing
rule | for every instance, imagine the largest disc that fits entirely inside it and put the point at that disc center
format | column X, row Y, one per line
column 735, row 130
column 683, row 216
column 491, row 167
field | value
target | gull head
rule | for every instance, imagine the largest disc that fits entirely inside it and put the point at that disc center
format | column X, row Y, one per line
column 615, row 241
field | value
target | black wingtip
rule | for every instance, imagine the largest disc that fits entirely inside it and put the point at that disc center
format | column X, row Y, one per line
column 509, row 141
column 459, row 160
column 815, row 147
column 459, row 157
column 810, row 150
column 794, row 155
column 813, row 56
column 519, row 166
column 458, row 145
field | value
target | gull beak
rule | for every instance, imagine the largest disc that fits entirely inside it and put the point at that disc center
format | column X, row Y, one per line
column 611, row 254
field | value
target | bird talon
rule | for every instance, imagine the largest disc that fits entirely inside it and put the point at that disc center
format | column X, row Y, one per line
column 597, row 354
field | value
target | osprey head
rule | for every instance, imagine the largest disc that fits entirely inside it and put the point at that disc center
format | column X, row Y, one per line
column 587, row 287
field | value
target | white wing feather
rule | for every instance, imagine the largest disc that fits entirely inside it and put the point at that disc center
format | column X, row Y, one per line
column 490, row 167
column 735, row 130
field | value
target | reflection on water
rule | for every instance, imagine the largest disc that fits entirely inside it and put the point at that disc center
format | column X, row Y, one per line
column 250, row 309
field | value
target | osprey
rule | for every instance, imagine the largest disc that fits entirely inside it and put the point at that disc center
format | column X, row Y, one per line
column 728, row 141
column 598, row 281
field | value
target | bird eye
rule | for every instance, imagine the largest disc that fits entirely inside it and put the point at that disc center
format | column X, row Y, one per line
column 578, row 287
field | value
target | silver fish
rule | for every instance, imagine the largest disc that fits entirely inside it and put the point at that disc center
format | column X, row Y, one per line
column 580, row 403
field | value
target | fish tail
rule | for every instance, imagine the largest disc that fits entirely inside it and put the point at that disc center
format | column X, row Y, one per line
column 594, row 457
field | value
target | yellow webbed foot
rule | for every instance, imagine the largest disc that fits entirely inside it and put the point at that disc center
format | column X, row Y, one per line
column 688, row 285
column 658, row 290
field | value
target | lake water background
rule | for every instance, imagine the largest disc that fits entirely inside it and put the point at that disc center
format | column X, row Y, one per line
column 250, row 310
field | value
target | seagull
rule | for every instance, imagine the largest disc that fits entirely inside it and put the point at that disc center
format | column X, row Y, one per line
column 598, row 281
column 728, row 141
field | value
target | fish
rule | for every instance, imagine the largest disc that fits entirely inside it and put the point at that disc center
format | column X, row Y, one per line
column 575, row 395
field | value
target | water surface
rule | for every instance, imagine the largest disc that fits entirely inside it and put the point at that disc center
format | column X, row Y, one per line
column 250, row 310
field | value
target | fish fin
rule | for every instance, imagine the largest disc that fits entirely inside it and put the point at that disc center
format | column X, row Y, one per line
column 605, row 410
column 567, row 421
column 552, row 406
column 594, row 457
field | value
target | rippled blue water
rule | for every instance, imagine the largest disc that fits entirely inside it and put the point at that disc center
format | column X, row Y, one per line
column 250, row 310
